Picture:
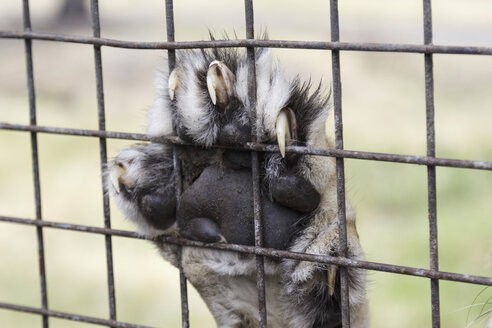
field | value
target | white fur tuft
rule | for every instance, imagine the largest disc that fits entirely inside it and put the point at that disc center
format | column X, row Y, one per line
column 159, row 117
column 195, row 113
column 273, row 93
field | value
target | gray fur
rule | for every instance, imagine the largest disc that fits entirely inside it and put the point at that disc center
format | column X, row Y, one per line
column 297, row 292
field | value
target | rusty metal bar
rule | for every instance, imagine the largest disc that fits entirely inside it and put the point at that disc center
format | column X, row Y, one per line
column 35, row 161
column 371, row 156
column 171, row 57
column 171, row 53
column 431, row 170
column 69, row 316
column 96, row 30
column 255, row 166
column 313, row 45
column 353, row 263
column 340, row 165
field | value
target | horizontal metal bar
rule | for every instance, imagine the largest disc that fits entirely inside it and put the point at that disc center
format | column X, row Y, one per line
column 318, row 45
column 73, row 227
column 341, row 261
column 396, row 158
column 83, row 133
column 69, row 316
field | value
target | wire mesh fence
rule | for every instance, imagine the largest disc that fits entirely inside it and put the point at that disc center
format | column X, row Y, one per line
column 335, row 46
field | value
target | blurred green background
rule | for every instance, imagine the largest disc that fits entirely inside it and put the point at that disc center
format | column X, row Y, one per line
column 384, row 111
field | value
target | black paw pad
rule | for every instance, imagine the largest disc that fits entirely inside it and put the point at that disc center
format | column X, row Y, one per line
column 202, row 229
column 159, row 208
column 295, row 192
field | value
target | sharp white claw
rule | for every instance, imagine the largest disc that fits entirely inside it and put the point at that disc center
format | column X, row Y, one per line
column 211, row 85
column 282, row 129
column 172, row 83
column 115, row 174
column 332, row 279
column 220, row 82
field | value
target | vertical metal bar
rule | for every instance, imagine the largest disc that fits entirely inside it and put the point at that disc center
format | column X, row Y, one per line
column 255, row 168
column 340, row 165
column 171, row 53
column 171, row 56
column 96, row 30
column 185, row 322
column 35, row 160
column 431, row 170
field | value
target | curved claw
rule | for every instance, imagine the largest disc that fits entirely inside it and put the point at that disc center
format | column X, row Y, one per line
column 220, row 82
column 286, row 129
column 118, row 175
column 332, row 276
column 115, row 174
column 172, row 83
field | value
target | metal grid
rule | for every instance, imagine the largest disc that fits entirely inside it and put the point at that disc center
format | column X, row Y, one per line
column 428, row 49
